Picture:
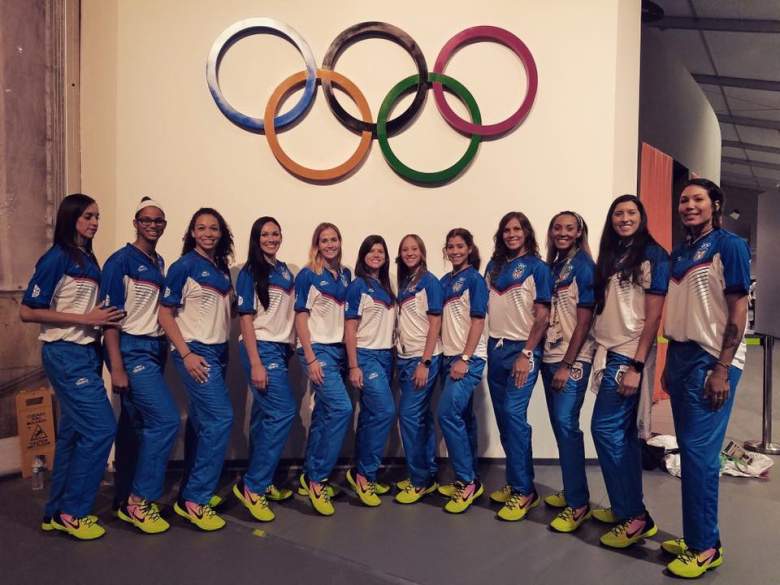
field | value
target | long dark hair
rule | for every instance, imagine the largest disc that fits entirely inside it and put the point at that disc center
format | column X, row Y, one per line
column 384, row 271
column 256, row 263
column 473, row 259
column 502, row 254
column 68, row 214
column 403, row 274
column 715, row 194
column 581, row 243
column 223, row 255
column 613, row 249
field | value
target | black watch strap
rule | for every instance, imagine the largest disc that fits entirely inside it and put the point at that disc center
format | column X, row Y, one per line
column 637, row 365
column 426, row 363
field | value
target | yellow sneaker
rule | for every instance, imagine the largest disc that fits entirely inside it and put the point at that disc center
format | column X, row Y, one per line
column 446, row 489
column 47, row 524
column 556, row 500
column 691, row 565
column 675, row 546
column 216, row 501
column 629, row 532
column 202, row 516
column 403, row 484
column 79, row 528
column 463, row 496
column 569, row 520
column 500, row 496
column 303, row 490
column 276, row 494
column 319, row 497
column 144, row 515
column 366, row 491
column 257, row 504
column 412, row 494
column 518, row 506
column 604, row 515
column 382, row 488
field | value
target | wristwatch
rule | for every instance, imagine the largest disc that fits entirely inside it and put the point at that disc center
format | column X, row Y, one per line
column 528, row 353
column 465, row 357
column 426, row 363
column 637, row 365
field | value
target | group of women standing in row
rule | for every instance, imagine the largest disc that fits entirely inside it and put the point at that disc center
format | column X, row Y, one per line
column 567, row 318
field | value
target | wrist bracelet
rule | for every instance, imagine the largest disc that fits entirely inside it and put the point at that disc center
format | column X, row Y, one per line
column 725, row 365
column 185, row 356
column 312, row 361
column 353, row 367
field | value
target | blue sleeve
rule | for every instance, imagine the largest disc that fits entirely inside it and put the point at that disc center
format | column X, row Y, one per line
column 302, row 285
column 49, row 271
column 478, row 296
column 245, row 289
column 174, row 284
column 354, row 296
column 435, row 294
column 659, row 270
column 112, row 283
column 543, row 281
column 735, row 254
column 585, row 275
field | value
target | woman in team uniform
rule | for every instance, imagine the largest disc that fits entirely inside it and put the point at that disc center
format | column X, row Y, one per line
column 705, row 322
column 136, row 352
column 566, row 363
column 518, row 308
column 320, row 291
column 265, row 306
column 632, row 276
column 463, row 345
column 62, row 297
column 368, row 336
column 418, row 348
column 195, row 314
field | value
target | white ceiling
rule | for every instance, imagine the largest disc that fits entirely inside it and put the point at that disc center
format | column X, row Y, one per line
column 747, row 55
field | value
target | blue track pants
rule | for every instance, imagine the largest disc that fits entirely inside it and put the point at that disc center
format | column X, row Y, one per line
column 377, row 410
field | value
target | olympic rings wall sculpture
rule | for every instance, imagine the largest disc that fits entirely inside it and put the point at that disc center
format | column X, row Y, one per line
column 384, row 127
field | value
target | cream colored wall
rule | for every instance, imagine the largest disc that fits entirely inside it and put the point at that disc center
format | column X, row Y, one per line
column 149, row 125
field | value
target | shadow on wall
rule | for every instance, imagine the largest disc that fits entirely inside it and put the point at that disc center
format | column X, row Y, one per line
column 241, row 398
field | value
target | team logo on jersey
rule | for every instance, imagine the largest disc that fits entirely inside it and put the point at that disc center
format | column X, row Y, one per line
column 371, row 290
column 167, row 291
column 240, row 300
column 344, row 280
column 565, row 272
column 226, row 277
column 138, row 368
column 272, row 366
column 518, row 271
column 458, row 286
column 346, row 306
column 323, row 283
column 142, row 268
column 619, row 374
column 701, row 251
column 286, row 274
column 205, row 273
column 36, row 292
column 373, row 375
column 576, row 372
column 82, row 381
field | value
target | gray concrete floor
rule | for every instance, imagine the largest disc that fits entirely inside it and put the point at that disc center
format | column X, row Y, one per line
column 401, row 544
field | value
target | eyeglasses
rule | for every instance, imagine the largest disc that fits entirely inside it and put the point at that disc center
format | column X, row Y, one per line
column 147, row 221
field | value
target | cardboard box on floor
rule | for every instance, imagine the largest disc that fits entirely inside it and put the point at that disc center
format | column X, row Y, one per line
column 35, row 418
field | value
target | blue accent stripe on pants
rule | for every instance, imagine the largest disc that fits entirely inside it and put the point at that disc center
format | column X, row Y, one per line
column 700, row 432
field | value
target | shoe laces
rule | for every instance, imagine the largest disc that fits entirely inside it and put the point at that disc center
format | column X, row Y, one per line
column 370, row 487
column 324, row 491
column 86, row 521
column 567, row 514
column 622, row 528
column 515, row 499
column 149, row 510
column 687, row 557
column 207, row 511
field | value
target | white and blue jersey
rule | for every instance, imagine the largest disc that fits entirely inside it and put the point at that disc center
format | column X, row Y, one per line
column 368, row 301
column 415, row 302
column 619, row 326
column 131, row 282
column 465, row 296
column 67, row 286
column 703, row 273
column 323, row 296
column 572, row 289
column 201, row 291
column 276, row 322
column 521, row 283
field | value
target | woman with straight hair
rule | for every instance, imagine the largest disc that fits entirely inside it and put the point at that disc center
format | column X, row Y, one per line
column 265, row 306
column 62, row 296
column 706, row 315
column 632, row 276
column 566, row 363
column 463, row 345
column 369, row 326
column 518, row 309
column 195, row 314
column 420, row 299
column 320, row 292
column 136, row 356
